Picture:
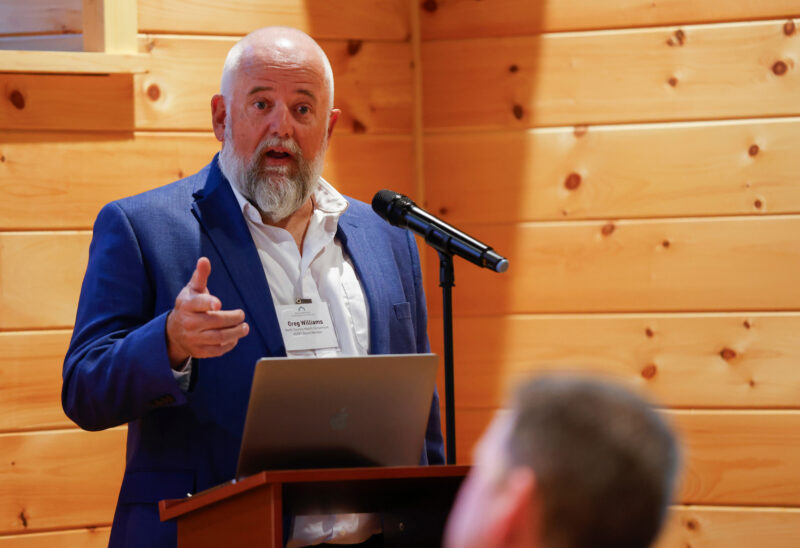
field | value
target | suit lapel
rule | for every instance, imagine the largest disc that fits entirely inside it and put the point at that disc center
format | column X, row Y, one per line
column 367, row 263
column 218, row 212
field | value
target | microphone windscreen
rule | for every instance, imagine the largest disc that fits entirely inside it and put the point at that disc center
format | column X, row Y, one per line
column 382, row 200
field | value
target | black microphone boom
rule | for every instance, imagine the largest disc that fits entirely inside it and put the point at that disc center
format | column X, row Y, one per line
column 400, row 210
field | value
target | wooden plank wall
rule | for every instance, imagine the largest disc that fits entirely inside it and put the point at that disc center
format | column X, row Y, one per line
column 71, row 143
column 635, row 161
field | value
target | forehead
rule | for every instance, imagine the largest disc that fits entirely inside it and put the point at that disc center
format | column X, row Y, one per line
column 280, row 66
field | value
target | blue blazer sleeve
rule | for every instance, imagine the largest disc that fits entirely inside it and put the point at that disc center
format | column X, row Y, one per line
column 116, row 368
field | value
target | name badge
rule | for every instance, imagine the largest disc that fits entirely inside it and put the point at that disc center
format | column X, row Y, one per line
column 307, row 326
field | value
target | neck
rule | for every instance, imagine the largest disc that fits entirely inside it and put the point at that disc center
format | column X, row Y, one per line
column 296, row 223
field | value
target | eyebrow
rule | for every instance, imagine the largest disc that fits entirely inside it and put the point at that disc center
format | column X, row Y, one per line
column 268, row 88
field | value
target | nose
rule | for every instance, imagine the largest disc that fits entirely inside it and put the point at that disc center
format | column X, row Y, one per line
column 280, row 121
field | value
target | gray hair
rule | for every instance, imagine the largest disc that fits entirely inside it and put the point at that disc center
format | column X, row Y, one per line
column 604, row 461
column 234, row 59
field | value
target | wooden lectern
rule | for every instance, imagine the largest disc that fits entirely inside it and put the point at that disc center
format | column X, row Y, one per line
column 414, row 502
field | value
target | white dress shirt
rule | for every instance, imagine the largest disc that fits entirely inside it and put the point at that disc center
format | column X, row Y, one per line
column 324, row 274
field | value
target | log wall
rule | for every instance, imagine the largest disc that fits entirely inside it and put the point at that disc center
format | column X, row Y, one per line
column 635, row 161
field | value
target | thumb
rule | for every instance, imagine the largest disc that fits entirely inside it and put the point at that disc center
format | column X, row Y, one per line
column 200, row 276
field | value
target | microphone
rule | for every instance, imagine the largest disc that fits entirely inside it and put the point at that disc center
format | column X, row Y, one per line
column 400, row 210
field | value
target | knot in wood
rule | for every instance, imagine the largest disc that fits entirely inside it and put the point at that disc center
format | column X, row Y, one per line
column 580, row 130
column 153, row 92
column 789, row 28
column 17, row 99
column 649, row 371
column 572, row 181
column 518, row 112
column 513, row 68
column 678, row 38
column 358, row 127
column 672, row 81
column 430, row 5
column 727, row 354
column 758, row 204
column 649, row 332
column 779, row 68
column 354, row 46
column 753, row 150
column 608, row 229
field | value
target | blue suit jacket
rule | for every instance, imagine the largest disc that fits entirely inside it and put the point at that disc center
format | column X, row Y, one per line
column 116, row 371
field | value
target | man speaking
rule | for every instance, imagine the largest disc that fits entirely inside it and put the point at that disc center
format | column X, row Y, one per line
column 186, row 284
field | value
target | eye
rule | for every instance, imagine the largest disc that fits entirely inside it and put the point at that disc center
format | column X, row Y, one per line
column 260, row 105
column 304, row 109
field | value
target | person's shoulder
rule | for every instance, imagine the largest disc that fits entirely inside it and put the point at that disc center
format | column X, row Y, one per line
column 357, row 207
column 361, row 215
column 158, row 207
column 175, row 195
column 176, row 190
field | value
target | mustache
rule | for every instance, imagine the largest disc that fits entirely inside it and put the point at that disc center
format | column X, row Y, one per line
column 272, row 142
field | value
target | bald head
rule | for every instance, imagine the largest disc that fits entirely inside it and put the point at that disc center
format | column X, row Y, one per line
column 278, row 47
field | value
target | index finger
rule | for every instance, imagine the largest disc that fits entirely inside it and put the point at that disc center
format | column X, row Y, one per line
column 199, row 280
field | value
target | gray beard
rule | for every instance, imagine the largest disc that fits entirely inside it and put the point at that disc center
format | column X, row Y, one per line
column 278, row 191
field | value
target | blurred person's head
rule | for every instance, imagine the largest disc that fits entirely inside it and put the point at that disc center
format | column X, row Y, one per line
column 575, row 463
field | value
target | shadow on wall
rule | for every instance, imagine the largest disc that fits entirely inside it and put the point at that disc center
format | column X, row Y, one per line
column 475, row 165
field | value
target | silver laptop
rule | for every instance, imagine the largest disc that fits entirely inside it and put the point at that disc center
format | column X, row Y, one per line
column 337, row 412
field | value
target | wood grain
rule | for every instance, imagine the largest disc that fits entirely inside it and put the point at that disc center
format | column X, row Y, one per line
column 77, row 489
column 699, row 72
column 658, row 170
column 683, row 265
column 40, row 16
column 470, row 19
column 109, row 26
column 30, row 380
column 724, row 527
column 41, row 276
column 348, row 19
column 70, row 62
column 731, row 457
column 720, row 264
column 43, row 42
column 91, row 537
column 746, row 457
column 37, row 101
column 107, row 166
column 104, row 166
column 679, row 360
column 372, row 83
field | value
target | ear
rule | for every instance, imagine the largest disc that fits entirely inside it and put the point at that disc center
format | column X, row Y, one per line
column 218, row 116
column 334, row 116
column 514, row 522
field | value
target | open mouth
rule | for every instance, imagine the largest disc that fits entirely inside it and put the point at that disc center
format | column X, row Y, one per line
column 278, row 153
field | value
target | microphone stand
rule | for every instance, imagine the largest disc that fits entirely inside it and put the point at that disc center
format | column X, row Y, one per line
column 446, row 282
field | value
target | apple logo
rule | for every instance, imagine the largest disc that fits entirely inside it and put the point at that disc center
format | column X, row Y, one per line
column 339, row 420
